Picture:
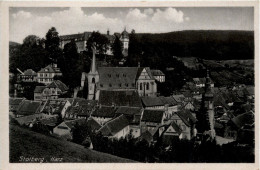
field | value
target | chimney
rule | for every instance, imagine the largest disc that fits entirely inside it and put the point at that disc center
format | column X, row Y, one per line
column 108, row 32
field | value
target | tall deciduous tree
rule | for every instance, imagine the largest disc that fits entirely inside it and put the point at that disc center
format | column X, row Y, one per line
column 52, row 44
column 101, row 43
column 117, row 50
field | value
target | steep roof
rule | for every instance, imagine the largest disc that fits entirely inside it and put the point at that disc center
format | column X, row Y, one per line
column 114, row 126
column 29, row 107
column 157, row 73
column 186, row 117
column 178, row 98
column 56, row 105
column 15, row 101
column 129, row 110
column 243, row 119
column 72, row 123
column 154, row 116
column 158, row 101
column 39, row 89
column 50, row 69
column 58, row 84
column 31, row 118
column 120, row 98
column 175, row 127
column 71, row 36
column 107, row 112
column 117, row 77
column 29, row 72
column 94, row 125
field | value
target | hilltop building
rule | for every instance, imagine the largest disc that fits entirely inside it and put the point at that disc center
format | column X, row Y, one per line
column 45, row 75
column 82, row 38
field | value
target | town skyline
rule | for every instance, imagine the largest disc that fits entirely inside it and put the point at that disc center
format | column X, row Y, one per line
column 35, row 20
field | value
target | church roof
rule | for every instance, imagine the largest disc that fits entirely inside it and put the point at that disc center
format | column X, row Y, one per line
column 120, row 98
column 117, row 77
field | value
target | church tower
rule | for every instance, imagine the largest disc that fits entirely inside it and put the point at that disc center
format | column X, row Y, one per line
column 125, row 41
column 209, row 105
column 93, row 77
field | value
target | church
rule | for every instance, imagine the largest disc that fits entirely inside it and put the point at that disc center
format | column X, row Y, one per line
column 139, row 79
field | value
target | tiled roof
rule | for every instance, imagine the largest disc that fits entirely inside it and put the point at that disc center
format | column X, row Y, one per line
column 72, row 123
column 120, row 98
column 107, row 112
column 186, row 117
column 49, row 69
column 51, row 121
column 29, row 107
column 31, row 118
column 117, row 77
column 72, row 36
column 29, row 72
column 243, row 119
column 175, row 127
column 114, row 126
column 178, row 98
column 15, row 101
column 129, row 110
column 58, row 84
column 39, row 89
column 158, row 101
column 56, row 105
column 154, row 116
column 157, row 73
column 94, row 125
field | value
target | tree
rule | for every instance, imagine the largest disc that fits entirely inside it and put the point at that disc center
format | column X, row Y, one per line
column 117, row 51
column 30, row 55
column 70, row 67
column 52, row 44
column 101, row 43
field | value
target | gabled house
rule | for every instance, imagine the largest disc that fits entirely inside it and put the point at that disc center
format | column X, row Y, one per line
column 28, row 76
column 80, row 108
column 56, row 107
column 186, row 121
column 64, row 129
column 172, row 132
column 51, row 91
column 161, row 103
column 45, row 75
column 104, row 114
column 158, row 75
column 116, row 128
column 151, row 119
column 29, row 120
column 14, row 104
column 29, row 107
column 133, row 114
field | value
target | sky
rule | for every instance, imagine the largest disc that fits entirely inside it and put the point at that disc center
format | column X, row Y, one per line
column 24, row 21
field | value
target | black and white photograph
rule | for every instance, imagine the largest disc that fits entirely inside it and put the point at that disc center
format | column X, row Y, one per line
column 132, row 84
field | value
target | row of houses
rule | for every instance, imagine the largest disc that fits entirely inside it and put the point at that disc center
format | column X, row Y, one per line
column 44, row 76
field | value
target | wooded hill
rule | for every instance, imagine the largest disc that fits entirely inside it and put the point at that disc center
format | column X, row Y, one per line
column 206, row 44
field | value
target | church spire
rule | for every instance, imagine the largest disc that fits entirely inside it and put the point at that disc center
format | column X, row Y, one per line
column 93, row 63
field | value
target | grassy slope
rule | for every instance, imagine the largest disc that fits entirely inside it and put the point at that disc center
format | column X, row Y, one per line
column 27, row 143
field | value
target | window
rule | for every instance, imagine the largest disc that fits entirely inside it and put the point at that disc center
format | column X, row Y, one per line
column 126, row 85
column 141, row 86
column 109, row 75
column 101, row 85
column 41, row 75
column 147, row 86
column 46, row 75
column 93, row 80
column 124, row 75
column 120, row 85
column 117, row 75
column 110, row 85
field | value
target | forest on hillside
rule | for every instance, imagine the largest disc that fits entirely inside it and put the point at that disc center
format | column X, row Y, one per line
column 206, row 44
